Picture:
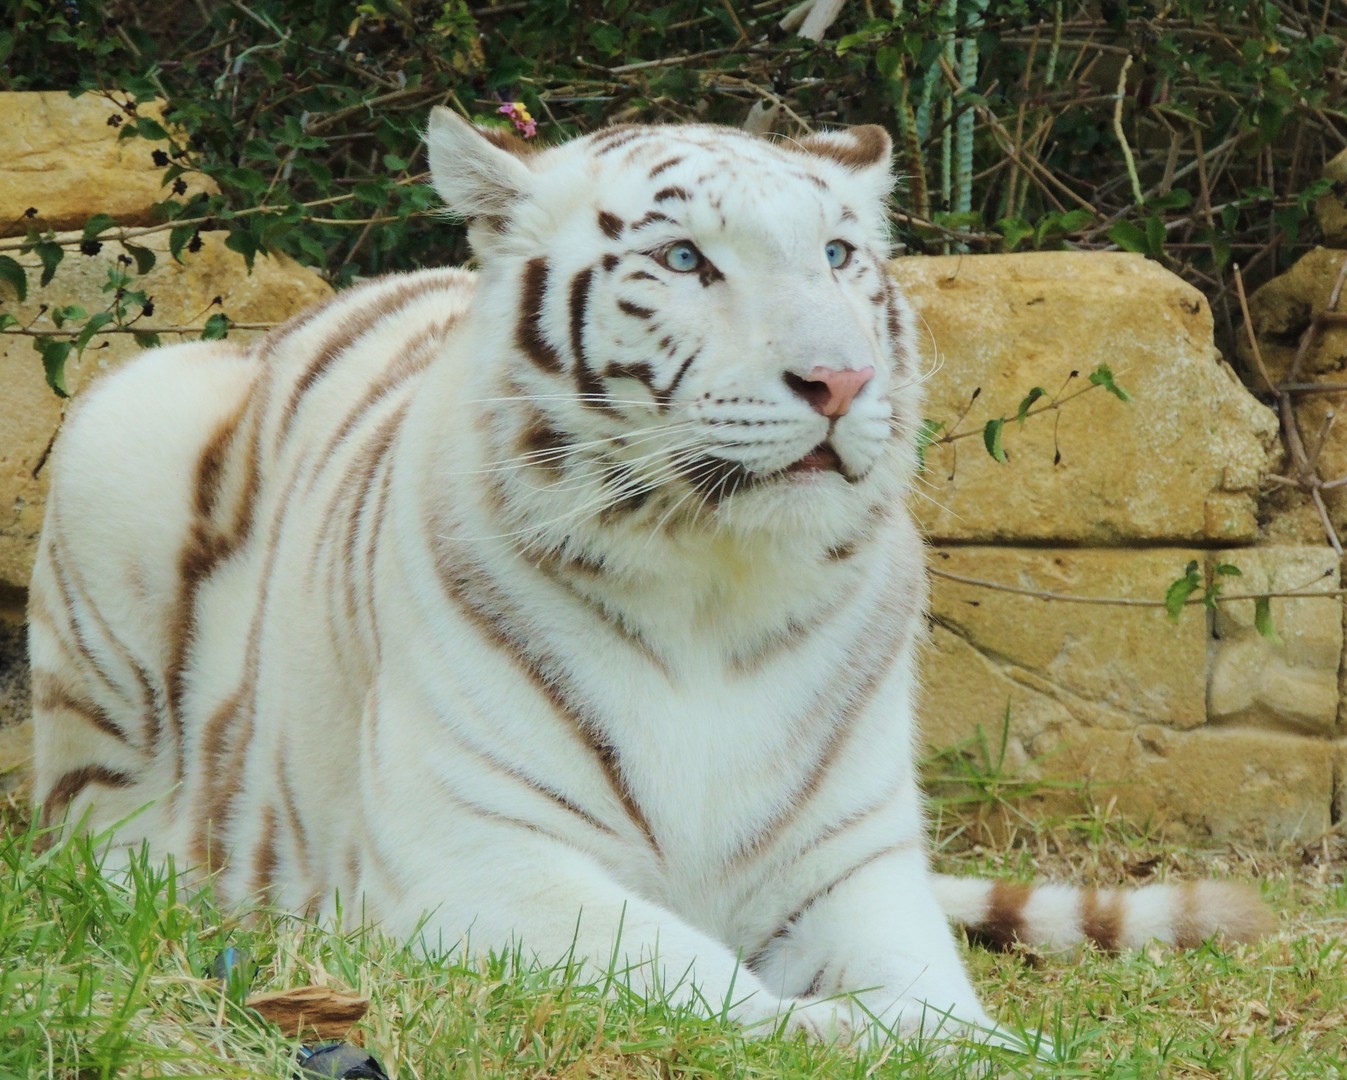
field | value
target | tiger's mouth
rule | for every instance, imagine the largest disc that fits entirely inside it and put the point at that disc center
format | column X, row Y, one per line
column 823, row 458
column 720, row 478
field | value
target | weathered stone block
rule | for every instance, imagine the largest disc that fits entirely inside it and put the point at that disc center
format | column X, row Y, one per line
column 1280, row 313
column 1331, row 209
column 61, row 157
column 1180, row 463
column 1291, row 683
column 1058, row 665
column 30, row 413
column 1263, row 785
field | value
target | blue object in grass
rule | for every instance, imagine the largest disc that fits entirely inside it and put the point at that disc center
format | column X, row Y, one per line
column 234, row 968
column 339, row 1060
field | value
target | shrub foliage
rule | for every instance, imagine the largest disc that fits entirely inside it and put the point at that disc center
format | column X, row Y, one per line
column 1193, row 132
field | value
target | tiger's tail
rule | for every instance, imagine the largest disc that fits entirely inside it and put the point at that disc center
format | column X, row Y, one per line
column 998, row 914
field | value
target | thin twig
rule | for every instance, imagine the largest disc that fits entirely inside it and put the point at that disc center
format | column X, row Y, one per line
column 1129, row 601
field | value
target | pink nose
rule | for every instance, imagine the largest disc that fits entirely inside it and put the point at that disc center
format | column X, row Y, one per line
column 830, row 391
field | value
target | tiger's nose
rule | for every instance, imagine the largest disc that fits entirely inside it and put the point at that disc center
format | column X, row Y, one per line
column 830, row 391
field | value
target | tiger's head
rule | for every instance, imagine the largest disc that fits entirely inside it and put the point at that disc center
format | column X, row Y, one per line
column 700, row 329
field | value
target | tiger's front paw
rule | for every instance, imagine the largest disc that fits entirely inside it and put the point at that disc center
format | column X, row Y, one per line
column 848, row 1021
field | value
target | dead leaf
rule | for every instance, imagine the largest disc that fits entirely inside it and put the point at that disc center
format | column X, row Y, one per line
column 309, row 1012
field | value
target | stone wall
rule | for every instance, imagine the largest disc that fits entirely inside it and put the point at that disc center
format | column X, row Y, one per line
column 1201, row 723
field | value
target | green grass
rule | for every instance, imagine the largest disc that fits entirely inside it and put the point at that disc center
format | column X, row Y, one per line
column 102, row 980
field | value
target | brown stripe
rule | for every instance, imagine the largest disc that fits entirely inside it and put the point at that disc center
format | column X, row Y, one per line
column 842, row 701
column 788, row 924
column 69, row 785
column 1187, row 927
column 1003, row 924
column 634, row 310
column 529, row 330
column 265, row 860
column 207, row 546
column 611, row 224
column 74, row 599
column 414, row 356
column 299, row 837
column 349, row 330
column 1101, row 914
column 586, row 380
column 579, row 303
column 650, row 218
column 487, row 607
column 613, row 139
column 541, row 445
column 50, row 694
column 668, row 163
column 366, row 468
column 673, row 193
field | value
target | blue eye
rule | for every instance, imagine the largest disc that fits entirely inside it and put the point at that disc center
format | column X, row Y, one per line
column 682, row 257
column 838, row 253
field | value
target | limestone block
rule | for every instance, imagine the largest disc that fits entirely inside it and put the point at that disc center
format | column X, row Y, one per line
column 1291, row 683
column 1280, row 311
column 60, row 156
column 1331, row 209
column 1228, row 782
column 1058, row 665
column 30, row 413
column 1180, row 463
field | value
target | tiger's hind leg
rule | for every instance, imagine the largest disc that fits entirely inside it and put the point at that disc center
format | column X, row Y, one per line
column 106, row 589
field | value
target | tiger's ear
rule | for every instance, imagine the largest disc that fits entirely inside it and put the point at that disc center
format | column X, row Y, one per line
column 857, row 148
column 866, row 150
column 473, row 170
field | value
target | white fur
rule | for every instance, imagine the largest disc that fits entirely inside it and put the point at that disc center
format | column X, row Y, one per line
column 382, row 732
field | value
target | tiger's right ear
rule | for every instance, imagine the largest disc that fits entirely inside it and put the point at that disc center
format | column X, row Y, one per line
column 473, row 172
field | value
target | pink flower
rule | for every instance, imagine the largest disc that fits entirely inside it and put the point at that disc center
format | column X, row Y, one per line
column 519, row 116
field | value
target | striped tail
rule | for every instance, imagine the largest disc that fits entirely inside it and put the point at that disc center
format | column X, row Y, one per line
column 998, row 914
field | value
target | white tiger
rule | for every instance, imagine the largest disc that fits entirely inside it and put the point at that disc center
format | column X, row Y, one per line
column 572, row 601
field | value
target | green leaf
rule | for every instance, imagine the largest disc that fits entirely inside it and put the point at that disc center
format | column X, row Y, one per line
column 144, row 257
column 991, row 439
column 926, row 435
column 216, row 328
column 1155, row 236
column 177, row 239
column 1029, row 399
column 1014, row 231
column 13, row 275
column 1129, row 237
column 146, row 339
column 51, row 254
column 6, row 321
column 1072, row 221
column 1262, row 619
column 67, row 313
column 96, row 323
column 243, row 241
column 1181, row 589
column 1175, row 199
column 99, row 223
column 1227, row 570
column 54, row 352
column 1103, row 376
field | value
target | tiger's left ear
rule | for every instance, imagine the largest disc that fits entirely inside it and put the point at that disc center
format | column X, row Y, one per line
column 472, row 170
column 866, row 149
